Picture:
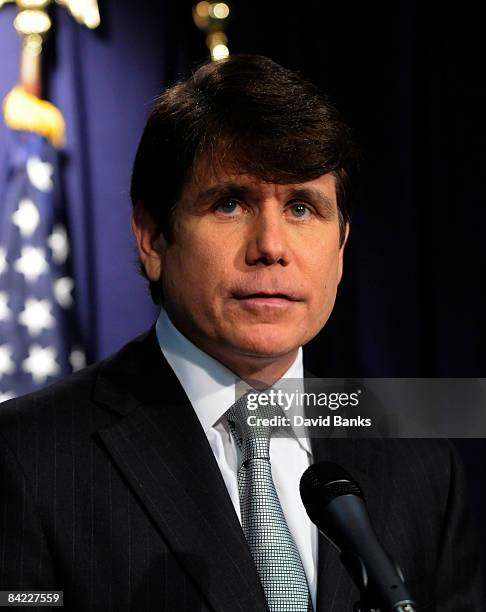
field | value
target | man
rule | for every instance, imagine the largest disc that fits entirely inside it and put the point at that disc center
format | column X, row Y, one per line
column 127, row 485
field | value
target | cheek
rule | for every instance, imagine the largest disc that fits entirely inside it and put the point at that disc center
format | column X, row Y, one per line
column 324, row 278
column 194, row 270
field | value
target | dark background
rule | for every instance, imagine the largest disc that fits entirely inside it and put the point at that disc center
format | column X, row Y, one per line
column 408, row 77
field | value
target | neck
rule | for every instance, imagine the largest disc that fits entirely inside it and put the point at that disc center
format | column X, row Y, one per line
column 260, row 372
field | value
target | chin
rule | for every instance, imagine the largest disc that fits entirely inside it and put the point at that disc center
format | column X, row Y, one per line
column 265, row 342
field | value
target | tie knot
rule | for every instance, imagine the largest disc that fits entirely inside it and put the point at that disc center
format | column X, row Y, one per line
column 252, row 428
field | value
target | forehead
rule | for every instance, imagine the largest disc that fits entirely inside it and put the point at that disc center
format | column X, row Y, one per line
column 207, row 182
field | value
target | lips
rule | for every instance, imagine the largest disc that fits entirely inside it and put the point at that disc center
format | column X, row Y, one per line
column 266, row 296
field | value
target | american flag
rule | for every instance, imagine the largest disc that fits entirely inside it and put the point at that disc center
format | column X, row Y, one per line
column 38, row 340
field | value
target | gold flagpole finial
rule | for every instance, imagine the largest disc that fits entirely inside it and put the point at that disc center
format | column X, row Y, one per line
column 32, row 15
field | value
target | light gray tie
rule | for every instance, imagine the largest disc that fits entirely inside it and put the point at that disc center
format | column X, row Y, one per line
column 274, row 551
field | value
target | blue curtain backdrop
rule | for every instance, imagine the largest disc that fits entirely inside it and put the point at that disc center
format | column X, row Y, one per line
column 408, row 76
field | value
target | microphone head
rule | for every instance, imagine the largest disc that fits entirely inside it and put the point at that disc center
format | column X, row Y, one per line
column 323, row 482
column 335, row 504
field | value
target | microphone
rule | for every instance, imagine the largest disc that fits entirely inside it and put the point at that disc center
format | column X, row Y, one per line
column 335, row 504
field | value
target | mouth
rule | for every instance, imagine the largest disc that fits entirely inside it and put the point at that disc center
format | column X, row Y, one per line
column 263, row 299
column 240, row 295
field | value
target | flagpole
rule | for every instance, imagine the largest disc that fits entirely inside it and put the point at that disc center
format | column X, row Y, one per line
column 23, row 107
column 33, row 24
column 30, row 64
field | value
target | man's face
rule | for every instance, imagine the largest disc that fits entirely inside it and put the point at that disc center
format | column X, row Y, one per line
column 253, row 267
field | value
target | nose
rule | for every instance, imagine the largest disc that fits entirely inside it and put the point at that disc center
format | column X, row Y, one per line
column 267, row 244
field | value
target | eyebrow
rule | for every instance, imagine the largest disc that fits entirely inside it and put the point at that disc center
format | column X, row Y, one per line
column 230, row 189
column 224, row 190
column 325, row 203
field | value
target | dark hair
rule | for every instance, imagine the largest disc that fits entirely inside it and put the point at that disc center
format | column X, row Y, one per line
column 246, row 113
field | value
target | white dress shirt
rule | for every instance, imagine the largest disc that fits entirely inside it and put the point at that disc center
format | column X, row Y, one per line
column 210, row 387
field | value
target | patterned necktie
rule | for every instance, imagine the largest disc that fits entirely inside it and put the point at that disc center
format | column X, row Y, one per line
column 262, row 519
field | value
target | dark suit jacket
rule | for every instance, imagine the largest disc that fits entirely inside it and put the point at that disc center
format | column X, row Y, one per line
column 110, row 492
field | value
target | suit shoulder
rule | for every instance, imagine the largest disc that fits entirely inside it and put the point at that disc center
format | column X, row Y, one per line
column 48, row 409
column 69, row 407
column 55, row 395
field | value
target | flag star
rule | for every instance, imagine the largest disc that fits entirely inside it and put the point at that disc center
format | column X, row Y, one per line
column 77, row 359
column 31, row 263
column 62, row 291
column 6, row 395
column 59, row 244
column 7, row 366
column 41, row 363
column 40, row 173
column 5, row 311
column 3, row 260
column 36, row 316
column 26, row 217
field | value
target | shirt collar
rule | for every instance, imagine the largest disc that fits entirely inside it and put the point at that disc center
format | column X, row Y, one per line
column 209, row 385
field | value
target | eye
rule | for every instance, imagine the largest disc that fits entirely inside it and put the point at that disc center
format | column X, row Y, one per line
column 230, row 208
column 300, row 210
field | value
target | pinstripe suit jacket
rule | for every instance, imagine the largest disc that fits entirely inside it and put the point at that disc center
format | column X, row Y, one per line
column 110, row 492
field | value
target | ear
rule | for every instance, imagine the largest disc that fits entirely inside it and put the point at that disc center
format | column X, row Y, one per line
column 341, row 252
column 150, row 242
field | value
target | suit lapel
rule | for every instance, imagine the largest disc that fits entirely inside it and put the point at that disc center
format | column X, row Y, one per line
column 159, row 446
